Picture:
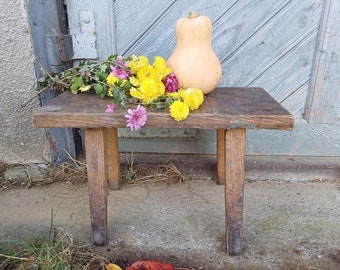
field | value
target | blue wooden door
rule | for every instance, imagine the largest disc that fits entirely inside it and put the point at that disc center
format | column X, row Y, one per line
column 288, row 47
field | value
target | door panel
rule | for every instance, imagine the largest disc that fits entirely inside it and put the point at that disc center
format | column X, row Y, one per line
column 275, row 44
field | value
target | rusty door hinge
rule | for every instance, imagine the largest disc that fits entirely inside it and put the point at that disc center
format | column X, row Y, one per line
column 64, row 48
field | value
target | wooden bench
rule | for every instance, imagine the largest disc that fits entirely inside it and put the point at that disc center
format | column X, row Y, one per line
column 230, row 111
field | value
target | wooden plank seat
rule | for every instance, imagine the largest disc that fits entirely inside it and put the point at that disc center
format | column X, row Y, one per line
column 230, row 111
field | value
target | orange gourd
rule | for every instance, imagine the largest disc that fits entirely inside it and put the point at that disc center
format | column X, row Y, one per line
column 193, row 60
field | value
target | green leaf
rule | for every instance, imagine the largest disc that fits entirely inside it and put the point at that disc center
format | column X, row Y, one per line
column 129, row 176
column 76, row 82
column 103, row 68
column 99, row 90
column 127, row 85
column 74, row 88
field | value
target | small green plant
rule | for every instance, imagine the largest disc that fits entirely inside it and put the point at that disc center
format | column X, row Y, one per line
column 44, row 254
column 129, row 173
column 55, row 251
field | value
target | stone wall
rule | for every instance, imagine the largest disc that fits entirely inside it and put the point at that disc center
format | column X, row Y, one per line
column 20, row 141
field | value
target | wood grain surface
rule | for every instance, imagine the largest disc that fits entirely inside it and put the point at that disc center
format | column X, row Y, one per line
column 96, row 160
column 234, row 188
column 224, row 108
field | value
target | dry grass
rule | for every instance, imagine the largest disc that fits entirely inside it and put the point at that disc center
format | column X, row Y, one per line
column 167, row 172
column 74, row 172
column 3, row 168
column 4, row 184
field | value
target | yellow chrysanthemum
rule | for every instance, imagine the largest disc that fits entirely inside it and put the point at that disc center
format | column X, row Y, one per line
column 134, row 81
column 134, row 92
column 85, row 88
column 109, row 92
column 151, row 90
column 193, row 97
column 159, row 62
column 138, row 63
column 146, row 72
column 111, row 79
column 179, row 110
column 161, row 68
column 174, row 95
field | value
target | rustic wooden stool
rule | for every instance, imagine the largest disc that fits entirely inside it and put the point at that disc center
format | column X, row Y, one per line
column 228, row 110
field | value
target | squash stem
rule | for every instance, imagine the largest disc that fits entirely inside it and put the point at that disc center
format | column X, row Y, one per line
column 193, row 14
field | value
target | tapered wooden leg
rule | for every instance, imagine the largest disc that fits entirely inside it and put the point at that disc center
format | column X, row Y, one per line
column 234, row 188
column 113, row 173
column 96, row 158
column 220, row 156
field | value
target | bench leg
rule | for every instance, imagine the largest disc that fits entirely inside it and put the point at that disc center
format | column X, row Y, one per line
column 113, row 173
column 234, row 188
column 220, row 156
column 96, row 158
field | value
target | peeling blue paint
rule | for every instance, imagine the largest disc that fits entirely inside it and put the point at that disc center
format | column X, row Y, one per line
column 238, row 124
column 242, row 125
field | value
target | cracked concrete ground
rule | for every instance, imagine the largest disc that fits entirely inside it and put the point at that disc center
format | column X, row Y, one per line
column 287, row 225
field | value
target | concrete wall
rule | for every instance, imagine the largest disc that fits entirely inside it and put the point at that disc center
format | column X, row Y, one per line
column 20, row 142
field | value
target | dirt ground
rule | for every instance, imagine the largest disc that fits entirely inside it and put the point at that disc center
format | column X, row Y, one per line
column 287, row 225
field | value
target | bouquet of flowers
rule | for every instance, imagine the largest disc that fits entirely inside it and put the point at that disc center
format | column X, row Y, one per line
column 130, row 80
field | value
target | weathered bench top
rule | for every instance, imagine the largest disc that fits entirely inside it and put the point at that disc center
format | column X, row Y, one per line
column 224, row 108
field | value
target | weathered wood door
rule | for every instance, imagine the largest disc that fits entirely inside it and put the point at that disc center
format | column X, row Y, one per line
column 289, row 47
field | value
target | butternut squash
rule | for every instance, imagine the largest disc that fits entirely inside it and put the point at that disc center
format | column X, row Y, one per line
column 193, row 60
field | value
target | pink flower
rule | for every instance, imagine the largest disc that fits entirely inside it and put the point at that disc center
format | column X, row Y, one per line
column 120, row 72
column 120, row 68
column 110, row 108
column 171, row 83
column 136, row 118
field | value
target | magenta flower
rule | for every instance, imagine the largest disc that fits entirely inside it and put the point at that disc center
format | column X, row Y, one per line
column 120, row 68
column 120, row 72
column 110, row 108
column 136, row 118
column 170, row 83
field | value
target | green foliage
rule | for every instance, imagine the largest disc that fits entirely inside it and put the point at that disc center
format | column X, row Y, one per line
column 90, row 76
column 76, row 83
column 88, row 73
column 56, row 250
column 129, row 176
column 162, row 102
column 100, row 90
